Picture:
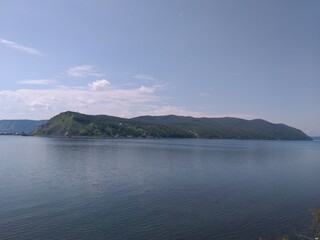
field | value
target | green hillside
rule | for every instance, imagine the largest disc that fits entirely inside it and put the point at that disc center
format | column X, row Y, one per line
column 230, row 128
column 76, row 124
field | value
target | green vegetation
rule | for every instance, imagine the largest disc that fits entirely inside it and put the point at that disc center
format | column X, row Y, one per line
column 76, row 124
column 230, row 128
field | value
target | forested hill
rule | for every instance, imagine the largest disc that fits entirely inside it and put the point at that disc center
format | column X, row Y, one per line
column 76, row 124
column 227, row 127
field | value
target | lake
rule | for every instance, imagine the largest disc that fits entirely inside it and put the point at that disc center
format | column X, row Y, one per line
column 64, row 188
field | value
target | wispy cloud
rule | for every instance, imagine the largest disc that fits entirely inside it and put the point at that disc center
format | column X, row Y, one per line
column 144, row 77
column 37, row 81
column 44, row 103
column 83, row 71
column 99, row 97
column 20, row 47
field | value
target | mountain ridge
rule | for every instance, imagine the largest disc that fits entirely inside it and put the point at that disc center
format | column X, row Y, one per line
column 19, row 126
column 169, row 126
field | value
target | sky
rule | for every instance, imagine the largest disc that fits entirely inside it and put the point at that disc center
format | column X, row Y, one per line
column 238, row 58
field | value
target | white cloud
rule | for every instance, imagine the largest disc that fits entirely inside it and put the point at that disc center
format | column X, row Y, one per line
column 45, row 103
column 127, row 102
column 83, row 71
column 22, row 48
column 99, row 85
column 144, row 89
column 99, row 97
column 115, row 101
column 144, row 77
column 37, row 81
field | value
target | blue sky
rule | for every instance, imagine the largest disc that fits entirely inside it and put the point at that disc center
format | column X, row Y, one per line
column 248, row 59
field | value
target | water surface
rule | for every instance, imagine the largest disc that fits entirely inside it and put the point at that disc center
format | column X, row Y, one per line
column 62, row 188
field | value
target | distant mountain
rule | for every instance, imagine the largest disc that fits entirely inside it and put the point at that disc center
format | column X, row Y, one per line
column 229, row 128
column 77, row 124
column 19, row 126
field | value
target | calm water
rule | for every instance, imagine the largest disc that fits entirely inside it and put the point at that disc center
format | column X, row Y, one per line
column 53, row 188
